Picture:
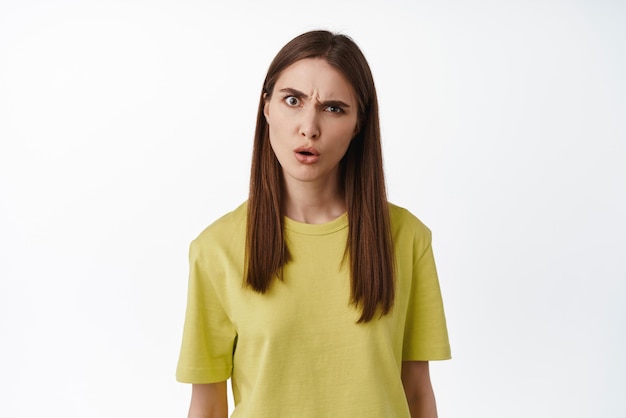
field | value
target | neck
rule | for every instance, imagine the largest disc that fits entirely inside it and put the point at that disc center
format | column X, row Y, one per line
column 314, row 202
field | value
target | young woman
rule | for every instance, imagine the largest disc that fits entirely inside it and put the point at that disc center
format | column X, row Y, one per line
column 316, row 296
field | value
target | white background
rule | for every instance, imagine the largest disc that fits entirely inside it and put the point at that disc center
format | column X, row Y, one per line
column 126, row 128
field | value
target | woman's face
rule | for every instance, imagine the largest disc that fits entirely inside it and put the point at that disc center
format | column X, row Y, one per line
column 312, row 117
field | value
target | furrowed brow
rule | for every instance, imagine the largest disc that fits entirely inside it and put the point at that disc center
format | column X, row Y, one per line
column 301, row 95
column 294, row 92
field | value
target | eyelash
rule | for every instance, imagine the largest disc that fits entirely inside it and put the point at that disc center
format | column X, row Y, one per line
column 337, row 110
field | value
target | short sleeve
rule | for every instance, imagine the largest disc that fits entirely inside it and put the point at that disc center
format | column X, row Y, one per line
column 426, row 334
column 206, row 354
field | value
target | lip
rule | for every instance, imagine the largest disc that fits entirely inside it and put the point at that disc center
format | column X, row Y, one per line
column 307, row 155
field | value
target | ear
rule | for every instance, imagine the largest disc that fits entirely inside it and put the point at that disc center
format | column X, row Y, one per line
column 266, row 108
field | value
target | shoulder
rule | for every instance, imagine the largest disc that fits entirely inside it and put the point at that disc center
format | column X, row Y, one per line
column 411, row 237
column 226, row 230
column 404, row 221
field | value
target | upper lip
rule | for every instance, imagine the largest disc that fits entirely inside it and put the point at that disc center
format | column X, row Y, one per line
column 309, row 150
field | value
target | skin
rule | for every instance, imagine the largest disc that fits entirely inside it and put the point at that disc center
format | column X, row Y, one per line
column 418, row 389
column 208, row 401
column 314, row 107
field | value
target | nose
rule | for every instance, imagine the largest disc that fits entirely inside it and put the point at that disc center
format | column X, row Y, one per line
column 309, row 125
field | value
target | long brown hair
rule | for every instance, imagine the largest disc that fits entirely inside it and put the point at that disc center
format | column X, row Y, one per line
column 369, row 245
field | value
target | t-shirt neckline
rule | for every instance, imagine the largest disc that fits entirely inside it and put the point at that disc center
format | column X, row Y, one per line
column 335, row 225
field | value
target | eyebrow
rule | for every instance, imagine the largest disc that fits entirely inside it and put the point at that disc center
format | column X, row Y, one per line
column 301, row 95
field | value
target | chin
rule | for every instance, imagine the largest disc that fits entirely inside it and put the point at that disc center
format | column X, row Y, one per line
column 303, row 177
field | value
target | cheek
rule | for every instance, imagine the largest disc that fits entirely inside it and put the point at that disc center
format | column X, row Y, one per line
column 278, row 123
column 277, row 143
column 347, row 131
column 350, row 128
column 342, row 143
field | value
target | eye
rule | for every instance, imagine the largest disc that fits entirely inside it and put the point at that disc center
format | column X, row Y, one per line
column 334, row 109
column 292, row 101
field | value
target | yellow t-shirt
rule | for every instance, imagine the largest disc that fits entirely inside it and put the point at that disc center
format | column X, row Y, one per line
column 297, row 350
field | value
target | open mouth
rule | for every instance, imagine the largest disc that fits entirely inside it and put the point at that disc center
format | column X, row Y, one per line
column 307, row 151
column 307, row 155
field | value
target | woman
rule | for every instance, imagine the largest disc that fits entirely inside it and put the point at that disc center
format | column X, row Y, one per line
column 317, row 296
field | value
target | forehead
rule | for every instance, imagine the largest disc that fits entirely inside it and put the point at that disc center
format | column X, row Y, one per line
column 311, row 75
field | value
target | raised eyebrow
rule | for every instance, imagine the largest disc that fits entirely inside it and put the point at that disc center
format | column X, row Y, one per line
column 301, row 95
column 294, row 92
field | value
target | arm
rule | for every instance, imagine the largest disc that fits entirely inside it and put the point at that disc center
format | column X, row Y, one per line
column 208, row 401
column 418, row 389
